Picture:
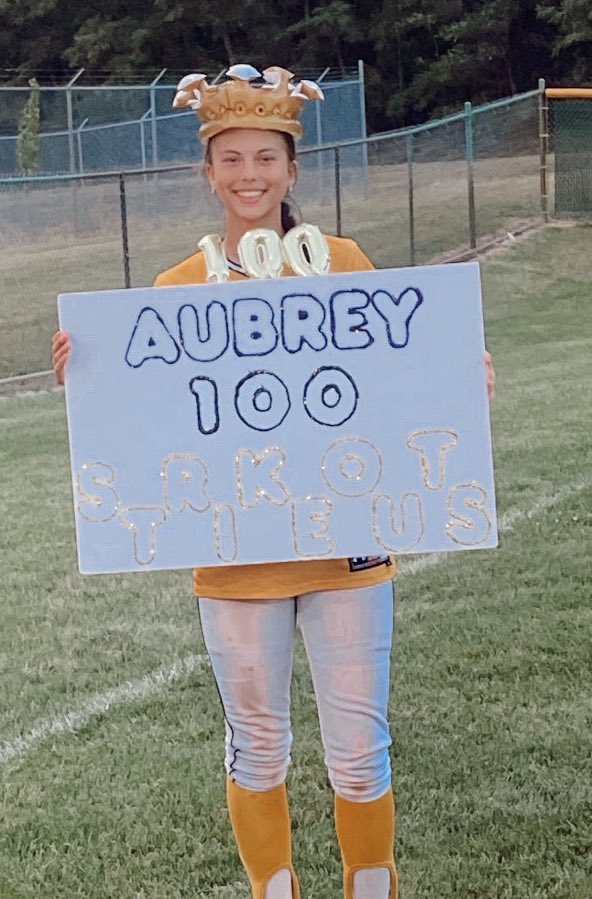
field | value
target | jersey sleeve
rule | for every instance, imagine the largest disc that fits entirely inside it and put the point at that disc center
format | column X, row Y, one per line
column 346, row 256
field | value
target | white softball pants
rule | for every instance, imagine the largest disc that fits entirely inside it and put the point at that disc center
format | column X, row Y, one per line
column 347, row 635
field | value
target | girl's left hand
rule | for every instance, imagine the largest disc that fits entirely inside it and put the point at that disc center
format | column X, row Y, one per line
column 490, row 374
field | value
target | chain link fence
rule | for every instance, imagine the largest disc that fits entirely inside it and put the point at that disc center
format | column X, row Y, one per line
column 89, row 129
column 405, row 197
column 569, row 144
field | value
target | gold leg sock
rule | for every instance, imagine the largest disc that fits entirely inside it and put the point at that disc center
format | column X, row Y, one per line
column 261, row 825
column 366, row 834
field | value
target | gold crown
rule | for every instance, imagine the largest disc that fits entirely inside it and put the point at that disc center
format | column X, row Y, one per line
column 273, row 104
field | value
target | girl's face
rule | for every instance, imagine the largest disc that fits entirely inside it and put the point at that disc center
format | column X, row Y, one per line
column 251, row 172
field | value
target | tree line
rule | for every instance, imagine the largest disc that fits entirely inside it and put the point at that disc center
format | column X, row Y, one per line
column 422, row 58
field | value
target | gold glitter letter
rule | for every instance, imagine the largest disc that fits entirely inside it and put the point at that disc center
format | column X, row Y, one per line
column 225, row 532
column 351, row 466
column 249, row 467
column 472, row 529
column 398, row 532
column 99, row 501
column 142, row 521
column 432, row 445
column 185, row 478
column 310, row 526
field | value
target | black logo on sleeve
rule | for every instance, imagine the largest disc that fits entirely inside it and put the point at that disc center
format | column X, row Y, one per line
column 363, row 563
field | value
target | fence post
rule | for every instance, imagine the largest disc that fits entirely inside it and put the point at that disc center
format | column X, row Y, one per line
column 470, row 173
column 543, row 145
column 79, row 143
column 337, row 166
column 153, row 117
column 143, row 137
column 70, row 114
column 409, row 143
column 364, row 130
column 124, row 234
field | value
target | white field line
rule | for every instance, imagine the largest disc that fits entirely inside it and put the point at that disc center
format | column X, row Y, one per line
column 154, row 683
column 126, row 694
column 407, row 566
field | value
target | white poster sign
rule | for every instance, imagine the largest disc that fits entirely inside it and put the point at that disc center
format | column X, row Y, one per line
column 335, row 416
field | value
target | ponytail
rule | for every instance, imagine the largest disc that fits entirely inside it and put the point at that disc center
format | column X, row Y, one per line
column 291, row 214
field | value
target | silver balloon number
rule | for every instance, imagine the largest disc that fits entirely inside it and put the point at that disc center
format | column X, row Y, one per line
column 260, row 253
column 216, row 262
column 306, row 250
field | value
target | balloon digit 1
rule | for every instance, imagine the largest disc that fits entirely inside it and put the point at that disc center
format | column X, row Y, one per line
column 216, row 263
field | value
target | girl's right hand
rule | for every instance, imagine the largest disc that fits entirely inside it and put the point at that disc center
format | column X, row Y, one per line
column 60, row 352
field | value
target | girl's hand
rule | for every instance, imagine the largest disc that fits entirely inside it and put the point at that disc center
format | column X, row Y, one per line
column 60, row 352
column 490, row 373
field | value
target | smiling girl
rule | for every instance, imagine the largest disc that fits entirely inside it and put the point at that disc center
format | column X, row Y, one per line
column 250, row 613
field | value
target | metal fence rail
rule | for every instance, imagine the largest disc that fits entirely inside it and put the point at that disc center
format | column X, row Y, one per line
column 404, row 196
column 99, row 128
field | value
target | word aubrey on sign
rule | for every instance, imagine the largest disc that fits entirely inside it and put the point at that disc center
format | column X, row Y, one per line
column 250, row 421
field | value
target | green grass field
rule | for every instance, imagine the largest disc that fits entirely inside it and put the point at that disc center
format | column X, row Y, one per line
column 111, row 765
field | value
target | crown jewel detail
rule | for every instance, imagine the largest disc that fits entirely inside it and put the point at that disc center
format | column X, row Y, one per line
column 248, row 99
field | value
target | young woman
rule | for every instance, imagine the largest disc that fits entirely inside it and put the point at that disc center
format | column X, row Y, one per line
column 249, row 613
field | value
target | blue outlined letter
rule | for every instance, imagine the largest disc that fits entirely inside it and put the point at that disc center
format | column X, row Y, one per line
column 206, row 399
column 302, row 319
column 330, row 396
column 262, row 400
column 203, row 333
column 254, row 331
column 348, row 322
column 151, row 339
column 397, row 313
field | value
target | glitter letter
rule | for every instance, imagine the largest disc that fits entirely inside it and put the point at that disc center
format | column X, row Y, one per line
column 142, row 521
column 250, row 474
column 185, row 478
column 99, row 501
column 351, row 466
column 432, row 445
column 398, row 533
column 225, row 532
column 471, row 529
column 310, row 526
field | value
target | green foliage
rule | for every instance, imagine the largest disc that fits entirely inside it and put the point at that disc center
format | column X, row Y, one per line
column 325, row 31
column 572, row 20
column 422, row 59
column 27, row 145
